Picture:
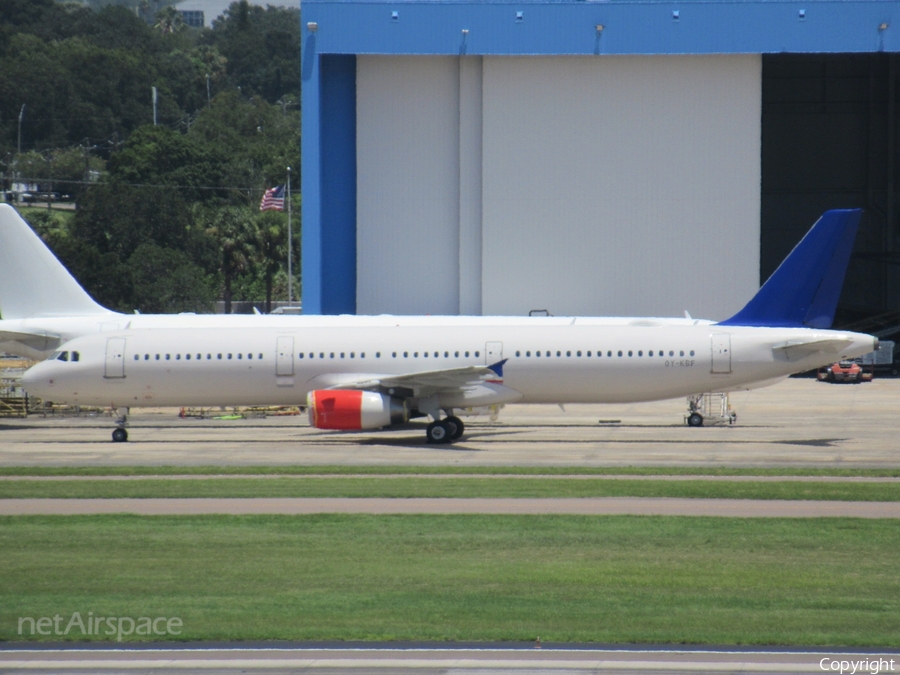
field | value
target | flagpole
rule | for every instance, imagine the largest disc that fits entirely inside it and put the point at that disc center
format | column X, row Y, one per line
column 290, row 242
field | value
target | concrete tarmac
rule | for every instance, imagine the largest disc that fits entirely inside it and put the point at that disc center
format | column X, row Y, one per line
column 797, row 423
column 435, row 661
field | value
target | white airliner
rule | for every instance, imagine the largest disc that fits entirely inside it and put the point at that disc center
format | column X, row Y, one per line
column 374, row 372
column 42, row 306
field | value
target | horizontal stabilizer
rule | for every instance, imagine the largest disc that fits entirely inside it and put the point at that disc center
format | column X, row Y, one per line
column 42, row 342
column 804, row 290
column 794, row 351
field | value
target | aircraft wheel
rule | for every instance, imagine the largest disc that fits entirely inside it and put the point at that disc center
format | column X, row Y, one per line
column 439, row 432
column 457, row 427
column 120, row 435
column 695, row 420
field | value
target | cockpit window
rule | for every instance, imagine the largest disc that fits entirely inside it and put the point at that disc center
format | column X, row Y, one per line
column 63, row 356
column 76, row 356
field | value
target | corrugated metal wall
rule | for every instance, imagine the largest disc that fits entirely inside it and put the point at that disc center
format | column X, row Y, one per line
column 609, row 186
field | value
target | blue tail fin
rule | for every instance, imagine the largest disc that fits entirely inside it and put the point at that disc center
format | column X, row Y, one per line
column 805, row 288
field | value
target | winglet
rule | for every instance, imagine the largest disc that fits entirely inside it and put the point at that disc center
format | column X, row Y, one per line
column 804, row 290
column 498, row 367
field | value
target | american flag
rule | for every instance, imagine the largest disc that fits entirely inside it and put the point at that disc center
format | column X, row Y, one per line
column 273, row 199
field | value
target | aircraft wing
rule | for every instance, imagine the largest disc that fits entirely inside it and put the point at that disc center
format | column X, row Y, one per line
column 429, row 382
column 794, row 351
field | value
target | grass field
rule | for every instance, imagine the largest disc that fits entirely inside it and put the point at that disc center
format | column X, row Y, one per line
column 412, row 486
column 395, row 469
column 563, row 578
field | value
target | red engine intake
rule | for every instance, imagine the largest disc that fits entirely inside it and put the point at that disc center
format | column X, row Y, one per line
column 349, row 409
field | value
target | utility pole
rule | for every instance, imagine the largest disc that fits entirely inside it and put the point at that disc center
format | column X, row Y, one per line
column 290, row 242
column 207, row 89
column 21, row 115
column 154, row 105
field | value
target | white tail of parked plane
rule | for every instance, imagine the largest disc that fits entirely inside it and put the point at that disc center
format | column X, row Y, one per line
column 33, row 283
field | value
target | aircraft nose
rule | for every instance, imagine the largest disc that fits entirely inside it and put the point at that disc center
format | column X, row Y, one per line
column 35, row 380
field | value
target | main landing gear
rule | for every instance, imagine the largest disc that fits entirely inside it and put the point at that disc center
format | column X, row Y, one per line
column 446, row 430
column 120, row 434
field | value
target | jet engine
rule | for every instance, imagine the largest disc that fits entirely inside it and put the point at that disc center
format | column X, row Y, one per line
column 352, row 409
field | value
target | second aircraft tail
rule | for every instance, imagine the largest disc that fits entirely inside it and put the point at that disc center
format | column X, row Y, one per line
column 33, row 283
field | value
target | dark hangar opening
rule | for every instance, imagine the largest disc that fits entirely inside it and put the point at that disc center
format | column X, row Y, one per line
column 829, row 140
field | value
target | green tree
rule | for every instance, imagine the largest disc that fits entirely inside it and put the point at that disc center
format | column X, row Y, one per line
column 159, row 156
column 233, row 230
column 271, row 248
column 262, row 46
column 168, row 21
column 167, row 281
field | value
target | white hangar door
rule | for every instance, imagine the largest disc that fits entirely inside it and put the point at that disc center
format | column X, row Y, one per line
column 612, row 185
column 621, row 185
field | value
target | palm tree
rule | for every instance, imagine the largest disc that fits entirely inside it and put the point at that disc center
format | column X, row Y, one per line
column 168, row 20
column 271, row 248
column 235, row 232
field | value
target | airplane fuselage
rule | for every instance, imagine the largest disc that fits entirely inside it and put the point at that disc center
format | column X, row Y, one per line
column 547, row 360
column 38, row 337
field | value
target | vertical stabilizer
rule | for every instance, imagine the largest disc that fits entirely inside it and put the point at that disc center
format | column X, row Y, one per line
column 33, row 283
column 804, row 290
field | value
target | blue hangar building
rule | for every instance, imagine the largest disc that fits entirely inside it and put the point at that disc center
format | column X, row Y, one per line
column 618, row 157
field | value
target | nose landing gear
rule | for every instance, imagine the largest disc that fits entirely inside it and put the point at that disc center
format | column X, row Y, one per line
column 120, row 434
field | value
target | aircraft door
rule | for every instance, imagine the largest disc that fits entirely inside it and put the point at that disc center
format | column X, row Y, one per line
column 493, row 352
column 115, row 358
column 721, row 352
column 284, row 356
